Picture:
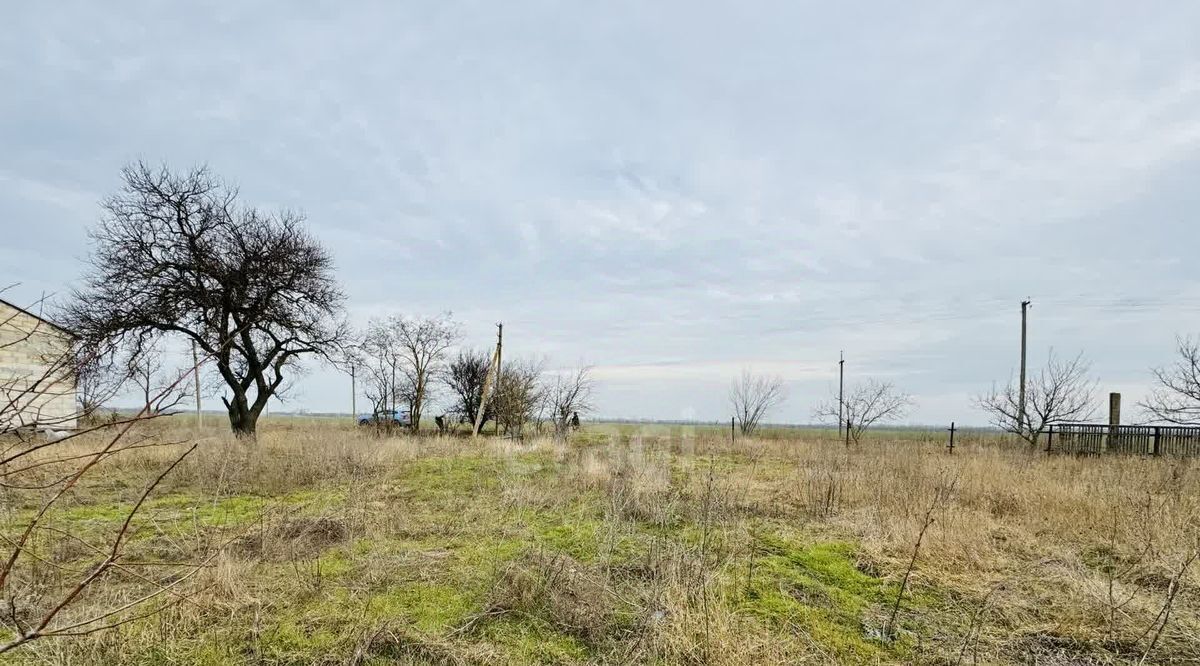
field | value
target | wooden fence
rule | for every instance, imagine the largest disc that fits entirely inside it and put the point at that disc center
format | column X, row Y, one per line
column 1095, row 439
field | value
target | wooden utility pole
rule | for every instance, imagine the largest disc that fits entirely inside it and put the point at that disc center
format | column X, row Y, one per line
column 196, row 380
column 1021, row 390
column 841, row 388
column 493, row 377
column 499, row 346
column 353, row 396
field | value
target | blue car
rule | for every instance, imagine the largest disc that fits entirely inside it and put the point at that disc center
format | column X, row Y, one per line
column 386, row 417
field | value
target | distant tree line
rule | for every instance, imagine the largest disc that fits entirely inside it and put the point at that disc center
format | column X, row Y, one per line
column 407, row 363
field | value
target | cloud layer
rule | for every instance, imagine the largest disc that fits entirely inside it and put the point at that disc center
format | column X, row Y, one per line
column 669, row 191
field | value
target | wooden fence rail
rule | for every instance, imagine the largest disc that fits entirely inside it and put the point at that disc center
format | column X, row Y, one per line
column 1095, row 439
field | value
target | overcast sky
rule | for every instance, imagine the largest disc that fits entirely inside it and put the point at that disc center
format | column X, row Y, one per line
column 669, row 191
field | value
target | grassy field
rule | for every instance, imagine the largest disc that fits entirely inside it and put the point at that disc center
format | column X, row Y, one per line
column 322, row 543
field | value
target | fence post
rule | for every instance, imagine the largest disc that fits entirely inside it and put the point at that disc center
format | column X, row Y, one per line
column 732, row 433
column 1157, row 450
column 1049, row 438
column 951, row 447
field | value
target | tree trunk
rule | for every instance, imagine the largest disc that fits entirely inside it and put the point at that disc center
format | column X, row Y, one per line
column 243, row 417
column 244, row 424
column 414, row 412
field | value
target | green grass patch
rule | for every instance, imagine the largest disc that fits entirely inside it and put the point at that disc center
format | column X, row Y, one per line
column 428, row 607
column 296, row 641
column 455, row 476
column 819, row 588
column 578, row 538
column 533, row 640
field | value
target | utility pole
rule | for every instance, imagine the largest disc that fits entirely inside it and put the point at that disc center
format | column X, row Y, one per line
column 353, row 397
column 485, row 394
column 1021, row 391
column 499, row 345
column 196, row 379
column 841, row 388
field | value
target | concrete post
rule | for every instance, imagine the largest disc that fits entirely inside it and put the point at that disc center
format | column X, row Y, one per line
column 1114, row 418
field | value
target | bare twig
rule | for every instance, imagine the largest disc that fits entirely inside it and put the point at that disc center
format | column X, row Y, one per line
column 941, row 493
column 1159, row 624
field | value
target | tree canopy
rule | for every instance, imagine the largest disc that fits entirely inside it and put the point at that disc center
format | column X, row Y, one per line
column 176, row 254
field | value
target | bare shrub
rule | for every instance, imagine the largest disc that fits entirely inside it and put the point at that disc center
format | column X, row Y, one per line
column 465, row 376
column 49, row 576
column 557, row 589
column 520, row 395
column 566, row 396
column 423, row 343
column 375, row 356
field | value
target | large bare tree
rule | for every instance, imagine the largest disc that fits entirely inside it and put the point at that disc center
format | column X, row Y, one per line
column 1060, row 391
column 423, row 343
column 1176, row 398
column 864, row 405
column 176, row 254
column 752, row 397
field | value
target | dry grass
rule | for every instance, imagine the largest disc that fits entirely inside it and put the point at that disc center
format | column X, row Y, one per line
column 335, row 546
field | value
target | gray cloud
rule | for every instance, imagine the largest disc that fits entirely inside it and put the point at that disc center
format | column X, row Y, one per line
column 669, row 191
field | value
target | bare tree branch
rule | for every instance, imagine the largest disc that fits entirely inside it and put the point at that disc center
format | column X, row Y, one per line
column 753, row 396
column 1176, row 398
column 176, row 255
column 465, row 376
column 52, row 470
column 1059, row 391
column 865, row 405
column 566, row 396
column 516, row 402
column 401, row 357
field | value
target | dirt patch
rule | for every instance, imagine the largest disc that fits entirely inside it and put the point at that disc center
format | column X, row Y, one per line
column 558, row 589
column 294, row 535
column 316, row 531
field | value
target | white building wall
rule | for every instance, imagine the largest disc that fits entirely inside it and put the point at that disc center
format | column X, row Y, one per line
column 36, row 386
